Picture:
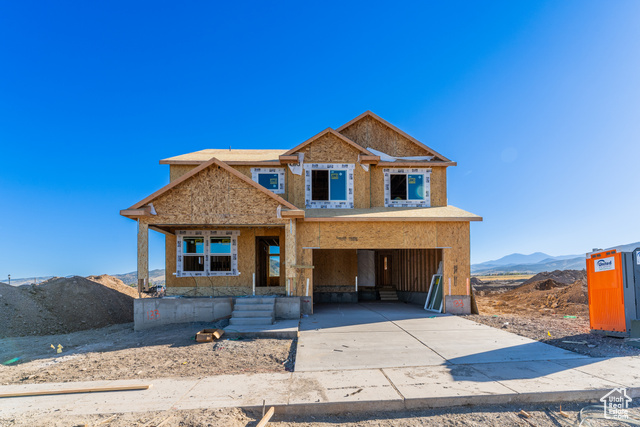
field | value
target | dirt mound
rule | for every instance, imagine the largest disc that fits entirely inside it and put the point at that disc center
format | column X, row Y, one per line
column 62, row 305
column 476, row 282
column 556, row 292
column 114, row 283
column 562, row 276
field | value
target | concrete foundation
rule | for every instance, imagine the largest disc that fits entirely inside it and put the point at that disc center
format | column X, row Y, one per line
column 324, row 297
column 418, row 298
column 457, row 304
column 154, row 312
column 288, row 308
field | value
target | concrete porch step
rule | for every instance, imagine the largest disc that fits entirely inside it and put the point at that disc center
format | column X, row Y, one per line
column 253, row 307
column 252, row 301
column 251, row 321
column 252, row 313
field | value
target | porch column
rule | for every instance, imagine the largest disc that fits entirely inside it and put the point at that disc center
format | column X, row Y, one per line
column 143, row 252
column 290, row 251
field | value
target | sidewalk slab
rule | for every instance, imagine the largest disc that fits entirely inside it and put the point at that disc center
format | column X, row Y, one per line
column 224, row 391
column 542, row 377
column 163, row 394
column 620, row 370
column 361, row 350
column 340, row 391
column 479, row 345
column 441, row 383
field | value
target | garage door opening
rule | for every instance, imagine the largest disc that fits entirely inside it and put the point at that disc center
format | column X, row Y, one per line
column 381, row 274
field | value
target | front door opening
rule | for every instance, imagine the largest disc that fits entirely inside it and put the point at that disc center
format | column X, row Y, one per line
column 267, row 261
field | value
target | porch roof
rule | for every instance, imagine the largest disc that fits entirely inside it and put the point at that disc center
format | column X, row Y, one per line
column 381, row 214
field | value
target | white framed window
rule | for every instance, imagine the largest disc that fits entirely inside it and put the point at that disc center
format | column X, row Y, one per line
column 270, row 178
column 328, row 185
column 201, row 253
column 407, row 187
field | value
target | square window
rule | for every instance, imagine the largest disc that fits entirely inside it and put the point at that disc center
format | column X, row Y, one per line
column 220, row 245
column 415, row 186
column 274, row 250
column 220, row 263
column 193, row 263
column 274, row 266
column 319, row 185
column 268, row 180
column 398, row 184
column 193, row 245
column 338, row 185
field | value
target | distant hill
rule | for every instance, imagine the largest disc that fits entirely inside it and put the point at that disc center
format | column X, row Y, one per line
column 157, row 277
column 538, row 262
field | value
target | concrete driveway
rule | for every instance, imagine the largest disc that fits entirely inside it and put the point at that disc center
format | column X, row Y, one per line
column 396, row 335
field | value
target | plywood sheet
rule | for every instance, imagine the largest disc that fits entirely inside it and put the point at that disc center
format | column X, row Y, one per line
column 329, row 149
column 334, row 268
column 176, row 171
column 438, row 186
column 214, row 196
column 368, row 132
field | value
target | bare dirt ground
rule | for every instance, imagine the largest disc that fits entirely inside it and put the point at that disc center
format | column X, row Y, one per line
column 540, row 415
column 551, row 307
column 118, row 352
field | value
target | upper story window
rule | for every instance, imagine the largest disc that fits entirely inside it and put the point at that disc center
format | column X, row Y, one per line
column 407, row 187
column 270, row 178
column 328, row 185
column 207, row 253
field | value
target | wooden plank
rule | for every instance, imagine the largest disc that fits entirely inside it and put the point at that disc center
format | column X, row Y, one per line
column 263, row 422
column 323, row 133
column 289, row 159
column 297, row 213
column 77, row 390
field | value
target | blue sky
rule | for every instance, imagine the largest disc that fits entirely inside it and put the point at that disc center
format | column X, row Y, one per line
column 537, row 101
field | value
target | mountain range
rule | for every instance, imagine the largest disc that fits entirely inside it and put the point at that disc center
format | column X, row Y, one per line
column 537, row 262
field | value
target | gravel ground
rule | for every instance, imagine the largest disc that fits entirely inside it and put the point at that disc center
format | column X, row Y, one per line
column 118, row 352
column 540, row 415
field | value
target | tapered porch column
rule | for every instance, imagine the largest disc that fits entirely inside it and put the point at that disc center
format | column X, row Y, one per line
column 290, row 251
column 143, row 252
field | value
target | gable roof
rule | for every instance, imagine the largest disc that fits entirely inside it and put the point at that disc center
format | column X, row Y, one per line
column 203, row 166
column 230, row 156
column 334, row 133
column 395, row 129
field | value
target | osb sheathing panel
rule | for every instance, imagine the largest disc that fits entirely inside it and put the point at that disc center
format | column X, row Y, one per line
column 176, row 171
column 213, row 196
column 329, row 149
column 219, row 291
column 246, row 262
column 245, row 170
column 377, row 186
column 438, row 186
column 371, row 133
column 334, row 268
column 375, row 235
column 294, row 186
column 143, row 251
column 455, row 236
column 361, row 188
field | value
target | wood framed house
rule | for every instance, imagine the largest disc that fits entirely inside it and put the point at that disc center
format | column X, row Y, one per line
column 363, row 203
